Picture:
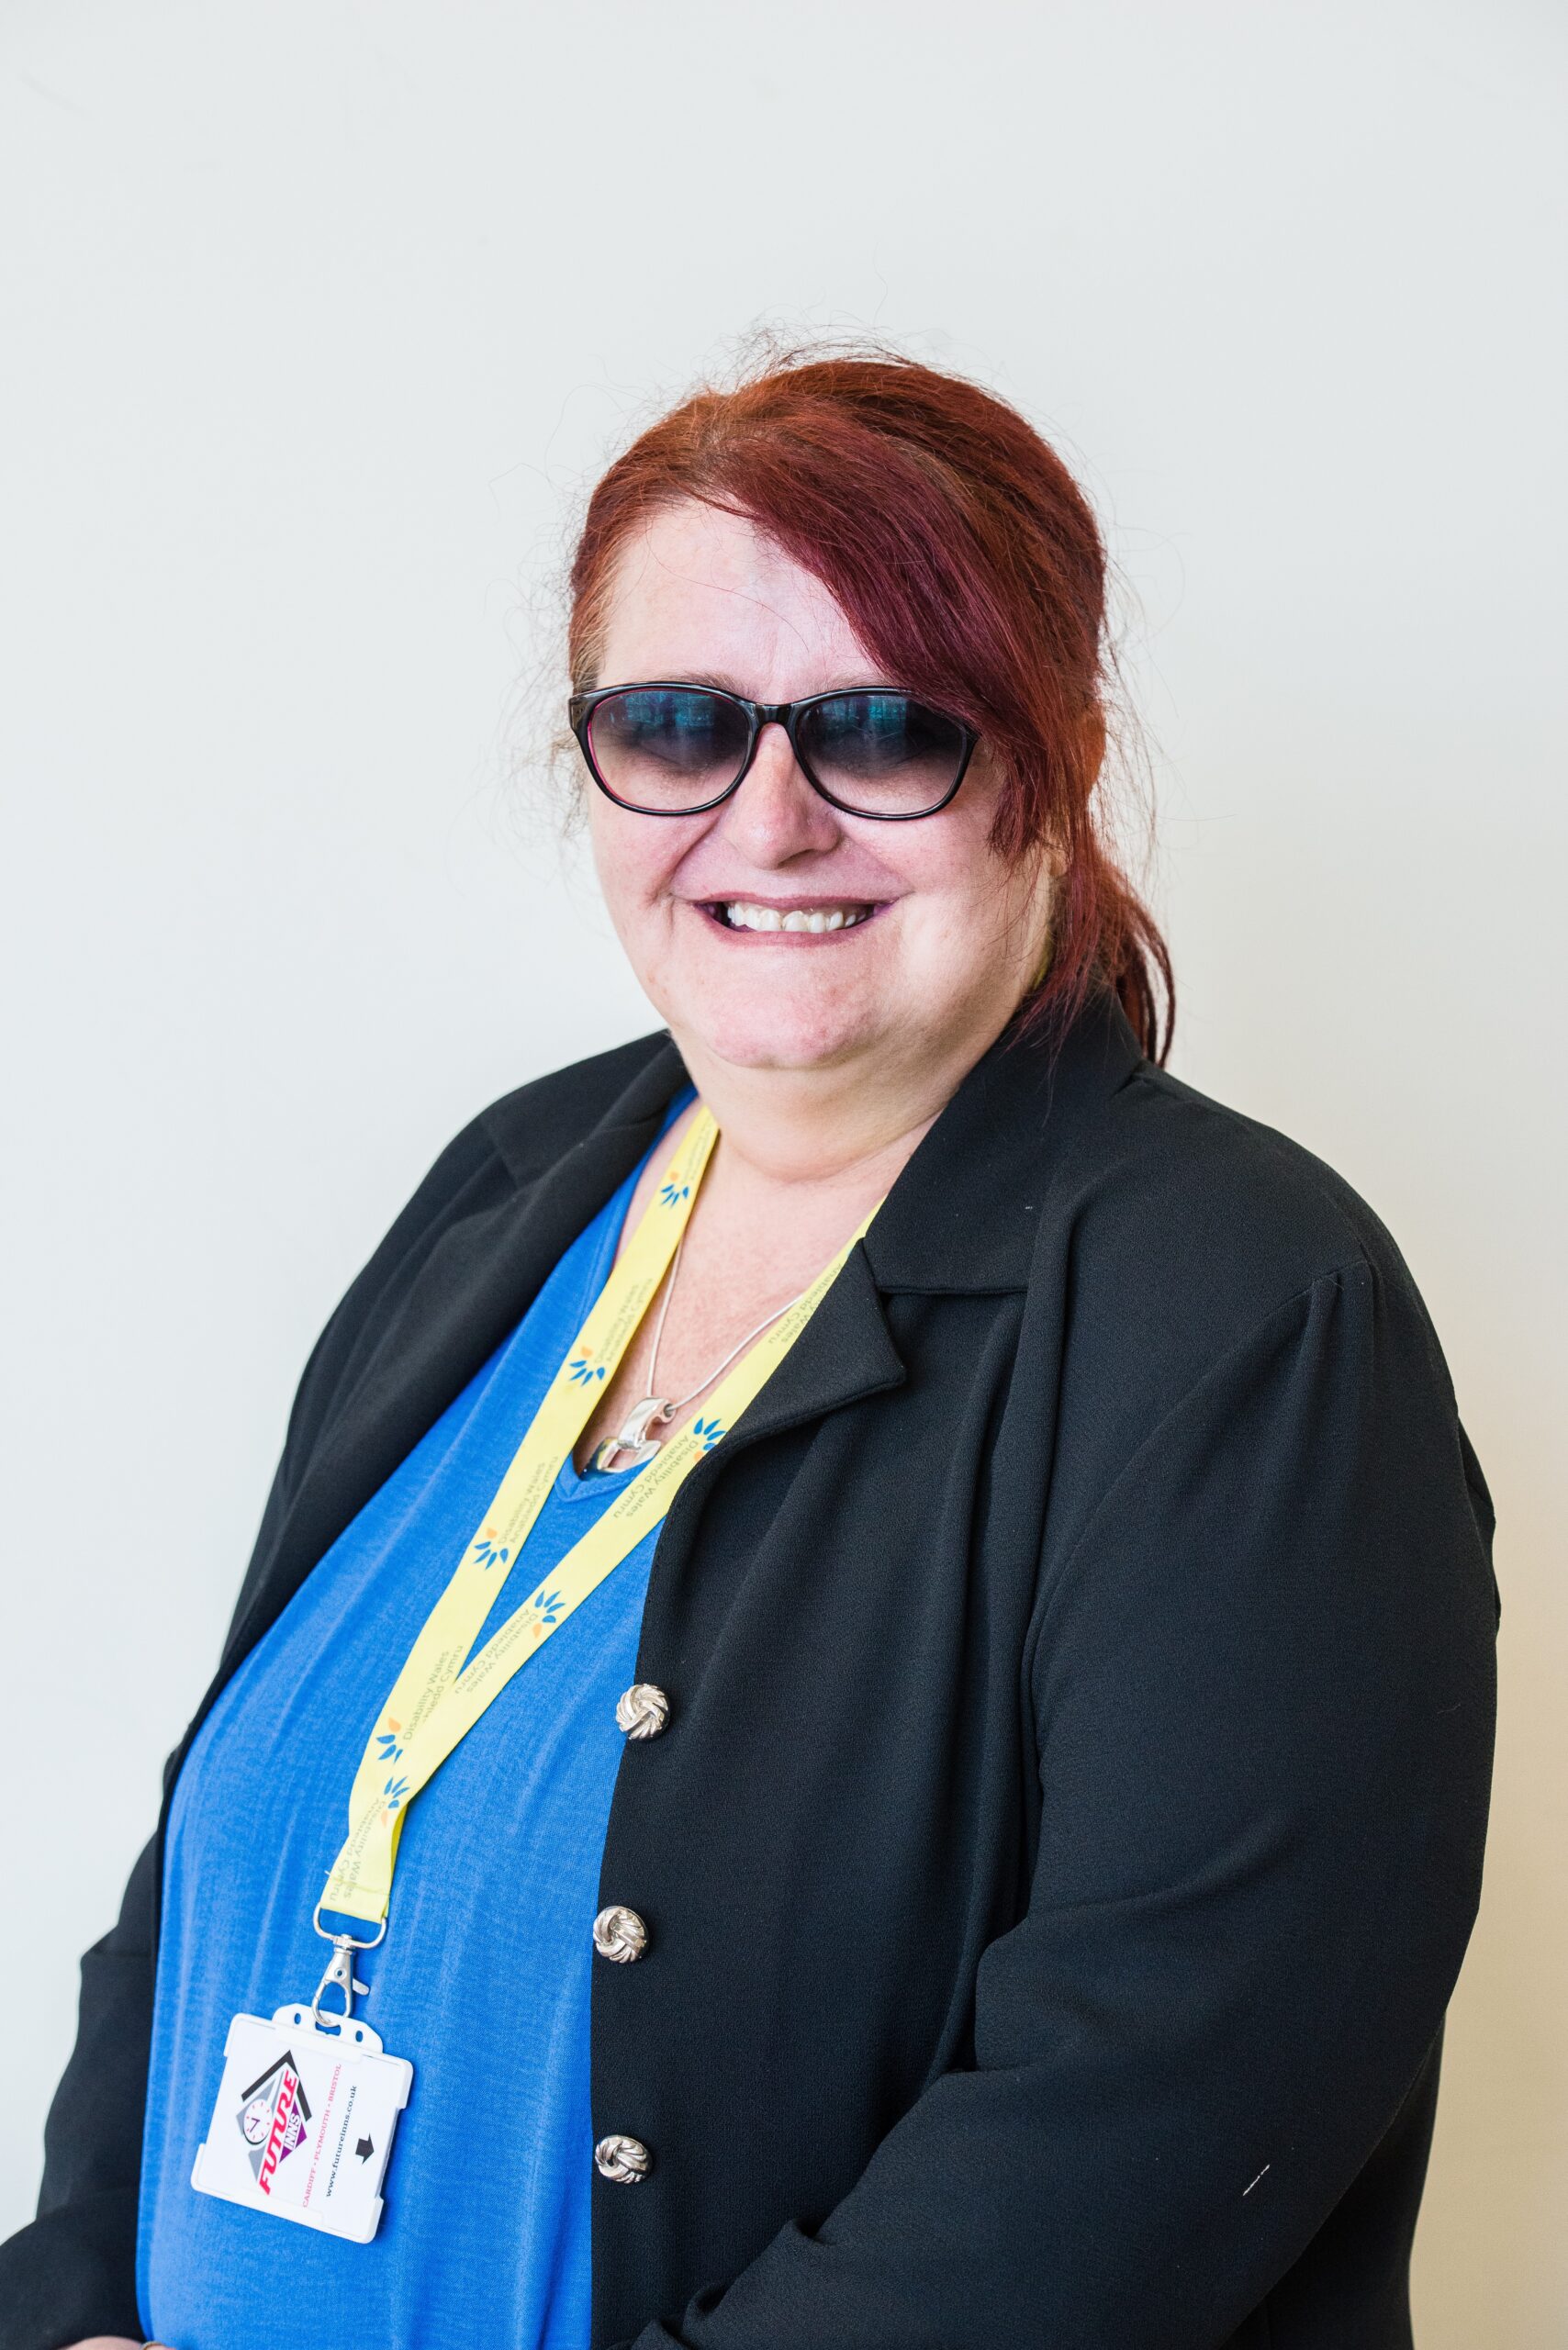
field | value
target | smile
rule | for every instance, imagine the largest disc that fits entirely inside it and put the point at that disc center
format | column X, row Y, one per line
column 814, row 920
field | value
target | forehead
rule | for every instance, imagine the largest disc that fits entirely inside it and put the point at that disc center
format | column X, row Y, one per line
column 701, row 593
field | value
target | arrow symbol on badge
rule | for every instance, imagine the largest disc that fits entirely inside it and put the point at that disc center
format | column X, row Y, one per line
column 365, row 2149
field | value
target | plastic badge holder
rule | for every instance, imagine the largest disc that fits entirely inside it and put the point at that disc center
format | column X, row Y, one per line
column 304, row 2121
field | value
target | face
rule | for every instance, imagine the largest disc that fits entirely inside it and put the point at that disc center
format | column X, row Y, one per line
column 935, row 938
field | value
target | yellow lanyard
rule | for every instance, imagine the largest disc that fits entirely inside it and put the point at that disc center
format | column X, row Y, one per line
column 437, row 1698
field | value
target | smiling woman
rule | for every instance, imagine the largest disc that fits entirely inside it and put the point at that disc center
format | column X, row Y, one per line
column 886, row 1611
column 921, row 536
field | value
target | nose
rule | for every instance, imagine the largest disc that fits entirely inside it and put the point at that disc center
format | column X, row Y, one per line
column 775, row 816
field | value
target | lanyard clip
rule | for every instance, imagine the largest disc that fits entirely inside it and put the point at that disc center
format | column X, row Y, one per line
column 339, row 1970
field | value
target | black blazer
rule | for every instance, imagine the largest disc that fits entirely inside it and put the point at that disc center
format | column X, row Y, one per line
column 1070, row 1821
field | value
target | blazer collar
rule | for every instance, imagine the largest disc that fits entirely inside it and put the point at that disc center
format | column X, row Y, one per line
column 966, row 1212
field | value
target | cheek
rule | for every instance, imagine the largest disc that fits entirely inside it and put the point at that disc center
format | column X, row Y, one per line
column 972, row 913
column 633, row 857
column 956, row 880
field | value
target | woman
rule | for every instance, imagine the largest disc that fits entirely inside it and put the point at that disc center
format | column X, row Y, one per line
column 979, row 1854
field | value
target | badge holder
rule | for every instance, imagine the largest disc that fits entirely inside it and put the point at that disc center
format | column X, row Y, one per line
column 306, row 2110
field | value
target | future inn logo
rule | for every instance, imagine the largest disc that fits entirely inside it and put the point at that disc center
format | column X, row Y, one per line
column 272, row 2118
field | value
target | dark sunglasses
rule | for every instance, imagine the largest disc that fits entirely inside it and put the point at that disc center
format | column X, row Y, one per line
column 667, row 749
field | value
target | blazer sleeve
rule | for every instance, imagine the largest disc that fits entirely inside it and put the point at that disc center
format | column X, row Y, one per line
column 1262, row 1678
column 71, row 2272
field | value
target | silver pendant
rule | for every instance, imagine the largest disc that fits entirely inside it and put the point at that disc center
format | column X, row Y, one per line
column 634, row 1440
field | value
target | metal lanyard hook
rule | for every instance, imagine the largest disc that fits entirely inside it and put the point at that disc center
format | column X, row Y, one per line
column 339, row 1970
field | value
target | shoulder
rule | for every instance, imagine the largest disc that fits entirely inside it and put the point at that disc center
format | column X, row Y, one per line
column 1190, row 1236
column 1218, row 1203
column 509, row 1145
column 528, row 1130
column 467, row 1201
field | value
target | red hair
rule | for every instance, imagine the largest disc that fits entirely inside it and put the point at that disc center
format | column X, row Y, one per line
column 968, row 564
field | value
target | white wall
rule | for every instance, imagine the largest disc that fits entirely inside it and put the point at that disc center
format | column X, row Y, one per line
column 317, row 316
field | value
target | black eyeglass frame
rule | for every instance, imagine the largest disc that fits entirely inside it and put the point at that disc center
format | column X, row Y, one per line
column 580, row 708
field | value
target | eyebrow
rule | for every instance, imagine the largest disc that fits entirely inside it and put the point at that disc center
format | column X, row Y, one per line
column 722, row 683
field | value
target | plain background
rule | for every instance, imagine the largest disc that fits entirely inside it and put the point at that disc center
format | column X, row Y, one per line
column 319, row 319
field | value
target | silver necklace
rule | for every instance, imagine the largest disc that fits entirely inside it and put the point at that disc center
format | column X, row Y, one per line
column 636, row 1438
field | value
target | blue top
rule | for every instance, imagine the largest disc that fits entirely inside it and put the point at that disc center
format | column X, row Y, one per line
column 483, row 1980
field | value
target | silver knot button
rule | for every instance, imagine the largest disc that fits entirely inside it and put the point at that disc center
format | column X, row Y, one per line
column 641, row 1710
column 625, row 2160
column 620, row 1933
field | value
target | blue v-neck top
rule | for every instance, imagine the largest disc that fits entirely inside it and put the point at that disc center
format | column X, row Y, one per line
column 482, row 1981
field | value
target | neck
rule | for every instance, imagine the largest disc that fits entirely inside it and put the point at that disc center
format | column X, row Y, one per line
column 846, row 1129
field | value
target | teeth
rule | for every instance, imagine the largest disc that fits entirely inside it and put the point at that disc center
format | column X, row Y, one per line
column 742, row 914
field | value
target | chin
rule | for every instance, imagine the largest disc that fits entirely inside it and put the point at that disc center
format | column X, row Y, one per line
column 779, row 1034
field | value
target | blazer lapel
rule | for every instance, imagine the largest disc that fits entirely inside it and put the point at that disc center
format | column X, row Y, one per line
column 845, row 1352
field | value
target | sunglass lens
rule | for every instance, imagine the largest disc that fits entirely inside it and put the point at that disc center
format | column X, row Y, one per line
column 665, row 748
column 883, row 754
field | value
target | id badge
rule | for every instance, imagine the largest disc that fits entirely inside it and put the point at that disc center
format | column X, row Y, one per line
column 304, row 2121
